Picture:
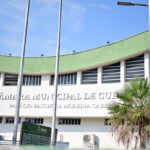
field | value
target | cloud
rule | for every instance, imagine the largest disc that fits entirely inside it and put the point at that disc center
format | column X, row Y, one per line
column 73, row 16
column 12, row 8
column 38, row 46
column 72, row 19
column 11, row 26
column 43, row 22
column 12, row 14
column 104, row 6
column 93, row 5
column 100, row 5
column 10, row 45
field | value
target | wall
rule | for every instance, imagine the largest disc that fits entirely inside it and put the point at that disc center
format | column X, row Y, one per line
column 82, row 101
column 88, row 102
column 74, row 133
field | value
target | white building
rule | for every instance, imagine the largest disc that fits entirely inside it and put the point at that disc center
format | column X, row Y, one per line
column 88, row 83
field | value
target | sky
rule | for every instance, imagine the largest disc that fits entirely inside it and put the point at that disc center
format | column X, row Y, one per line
column 86, row 24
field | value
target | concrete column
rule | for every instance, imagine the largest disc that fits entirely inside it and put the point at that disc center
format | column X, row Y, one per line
column 79, row 78
column 147, row 65
column 1, row 79
column 4, row 120
column 45, row 80
column 122, row 72
column 100, row 74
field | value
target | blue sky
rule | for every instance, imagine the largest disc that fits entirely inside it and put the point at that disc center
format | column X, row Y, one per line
column 86, row 24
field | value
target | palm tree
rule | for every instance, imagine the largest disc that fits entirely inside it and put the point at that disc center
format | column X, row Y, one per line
column 131, row 115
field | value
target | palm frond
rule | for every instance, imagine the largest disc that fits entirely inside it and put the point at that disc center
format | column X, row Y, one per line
column 134, row 110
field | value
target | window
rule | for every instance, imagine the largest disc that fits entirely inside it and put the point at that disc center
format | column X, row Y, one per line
column 134, row 67
column 1, row 119
column 34, row 120
column 10, row 79
column 65, row 79
column 10, row 120
column 106, row 122
column 69, row 121
column 111, row 73
column 89, row 76
column 31, row 80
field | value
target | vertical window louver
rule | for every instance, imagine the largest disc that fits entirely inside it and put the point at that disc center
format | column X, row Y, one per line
column 69, row 121
column 34, row 120
column 1, row 119
column 111, row 73
column 89, row 76
column 31, row 80
column 10, row 79
column 134, row 67
column 64, row 79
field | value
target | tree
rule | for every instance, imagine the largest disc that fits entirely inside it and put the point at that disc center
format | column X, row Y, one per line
column 131, row 115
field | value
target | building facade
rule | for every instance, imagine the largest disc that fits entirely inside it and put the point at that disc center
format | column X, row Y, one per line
column 88, row 82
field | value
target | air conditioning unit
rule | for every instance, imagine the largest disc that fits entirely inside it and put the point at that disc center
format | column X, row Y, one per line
column 89, row 139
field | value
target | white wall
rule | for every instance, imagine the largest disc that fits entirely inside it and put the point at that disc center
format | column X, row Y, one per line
column 84, row 100
column 88, row 102
column 74, row 133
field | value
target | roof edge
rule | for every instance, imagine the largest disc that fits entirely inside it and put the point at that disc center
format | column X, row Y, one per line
column 86, row 50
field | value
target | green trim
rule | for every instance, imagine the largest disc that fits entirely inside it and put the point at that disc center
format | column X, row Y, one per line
column 79, row 61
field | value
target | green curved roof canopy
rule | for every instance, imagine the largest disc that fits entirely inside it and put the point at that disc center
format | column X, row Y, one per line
column 79, row 61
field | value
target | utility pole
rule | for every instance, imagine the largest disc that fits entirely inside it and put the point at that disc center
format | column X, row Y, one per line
column 20, row 77
column 56, row 77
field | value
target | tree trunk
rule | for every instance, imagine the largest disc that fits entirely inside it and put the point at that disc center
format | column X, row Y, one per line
column 142, row 137
column 142, row 142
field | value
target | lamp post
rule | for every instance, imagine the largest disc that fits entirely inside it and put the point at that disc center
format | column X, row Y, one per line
column 56, row 78
column 131, row 4
column 20, row 77
column 146, row 5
